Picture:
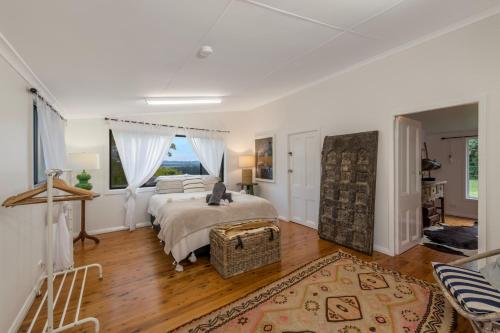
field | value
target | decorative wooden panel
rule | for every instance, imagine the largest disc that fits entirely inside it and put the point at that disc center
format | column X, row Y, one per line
column 348, row 177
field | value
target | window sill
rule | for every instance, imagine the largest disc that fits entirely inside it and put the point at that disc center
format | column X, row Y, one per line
column 471, row 199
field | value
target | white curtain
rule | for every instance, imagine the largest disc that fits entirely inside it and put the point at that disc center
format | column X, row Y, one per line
column 51, row 130
column 142, row 149
column 209, row 146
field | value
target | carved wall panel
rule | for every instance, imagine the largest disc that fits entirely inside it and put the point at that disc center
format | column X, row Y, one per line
column 348, row 178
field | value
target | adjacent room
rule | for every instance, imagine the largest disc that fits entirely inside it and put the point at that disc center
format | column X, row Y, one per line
column 250, row 166
column 450, row 173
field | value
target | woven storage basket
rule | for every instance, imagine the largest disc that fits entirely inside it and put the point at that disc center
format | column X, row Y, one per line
column 244, row 251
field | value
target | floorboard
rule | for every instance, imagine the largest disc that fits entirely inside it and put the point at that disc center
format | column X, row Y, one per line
column 457, row 221
column 141, row 292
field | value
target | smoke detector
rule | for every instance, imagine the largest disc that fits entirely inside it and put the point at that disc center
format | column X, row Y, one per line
column 205, row 51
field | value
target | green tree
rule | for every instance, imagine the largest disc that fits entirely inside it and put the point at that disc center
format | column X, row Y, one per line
column 164, row 171
column 472, row 148
column 172, row 147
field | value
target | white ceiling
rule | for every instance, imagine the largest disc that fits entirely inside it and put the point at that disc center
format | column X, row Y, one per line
column 102, row 57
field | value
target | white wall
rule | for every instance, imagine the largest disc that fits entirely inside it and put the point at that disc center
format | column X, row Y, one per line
column 107, row 212
column 452, row 69
column 22, row 231
column 453, row 171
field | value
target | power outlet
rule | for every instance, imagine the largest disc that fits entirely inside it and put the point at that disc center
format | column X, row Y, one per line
column 41, row 265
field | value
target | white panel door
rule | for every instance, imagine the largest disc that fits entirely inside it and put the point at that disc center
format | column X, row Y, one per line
column 304, row 177
column 408, row 183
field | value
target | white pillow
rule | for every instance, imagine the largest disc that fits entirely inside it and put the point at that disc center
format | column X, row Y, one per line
column 169, row 186
column 210, row 182
column 172, row 177
column 194, row 184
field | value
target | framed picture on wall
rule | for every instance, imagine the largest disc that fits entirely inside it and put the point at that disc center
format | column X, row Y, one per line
column 264, row 158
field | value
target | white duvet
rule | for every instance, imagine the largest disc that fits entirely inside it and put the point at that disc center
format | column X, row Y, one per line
column 158, row 200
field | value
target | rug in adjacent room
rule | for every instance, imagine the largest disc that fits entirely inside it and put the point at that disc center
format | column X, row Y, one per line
column 337, row 293
column 450, row 239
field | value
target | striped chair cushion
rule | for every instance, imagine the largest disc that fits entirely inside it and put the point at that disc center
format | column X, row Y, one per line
column 472, row 291
column 194, row 184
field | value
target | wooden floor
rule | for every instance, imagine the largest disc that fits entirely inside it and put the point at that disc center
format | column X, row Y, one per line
column 141, row 292
column 457, row 221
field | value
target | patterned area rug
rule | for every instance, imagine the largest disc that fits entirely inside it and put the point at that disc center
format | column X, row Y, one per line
column 337, row 293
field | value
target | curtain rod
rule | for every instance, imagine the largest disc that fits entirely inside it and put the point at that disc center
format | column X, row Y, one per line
column 458, row 137
column 163, row 125
column 35, row 92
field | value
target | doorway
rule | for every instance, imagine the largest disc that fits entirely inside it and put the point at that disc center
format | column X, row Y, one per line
column 304, row 165
column 437, row 179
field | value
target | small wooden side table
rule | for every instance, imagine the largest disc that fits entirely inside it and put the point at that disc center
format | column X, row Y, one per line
column 247, row 187
column 431, row 192
column 83, row 232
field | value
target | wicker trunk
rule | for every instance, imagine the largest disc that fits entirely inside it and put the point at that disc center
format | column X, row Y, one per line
column 245, row 250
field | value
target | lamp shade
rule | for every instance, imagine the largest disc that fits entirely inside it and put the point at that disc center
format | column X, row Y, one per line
column 84, row 161
column 246, row 161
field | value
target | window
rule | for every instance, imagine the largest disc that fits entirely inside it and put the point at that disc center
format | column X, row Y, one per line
column 472, row 169
column 38, row 161
column 180, row 159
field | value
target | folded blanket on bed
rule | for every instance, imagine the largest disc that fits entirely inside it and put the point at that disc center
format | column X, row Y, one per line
column 182, row 218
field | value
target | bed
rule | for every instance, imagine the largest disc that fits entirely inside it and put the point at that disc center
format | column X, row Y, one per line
column 184, row 220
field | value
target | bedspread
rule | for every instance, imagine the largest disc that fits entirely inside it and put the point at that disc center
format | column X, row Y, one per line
column 180, row 219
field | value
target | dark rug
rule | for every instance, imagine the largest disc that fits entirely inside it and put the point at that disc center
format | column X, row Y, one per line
column 459, row 237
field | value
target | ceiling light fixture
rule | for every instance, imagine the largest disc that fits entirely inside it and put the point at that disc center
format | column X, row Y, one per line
column 205, row 51
column 183, row 101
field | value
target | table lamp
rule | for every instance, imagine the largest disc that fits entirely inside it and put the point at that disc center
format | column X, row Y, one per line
column 246, row 163
column 84, row 161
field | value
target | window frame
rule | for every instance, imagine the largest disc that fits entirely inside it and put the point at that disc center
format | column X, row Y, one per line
column 114, row 189
column 467, row 180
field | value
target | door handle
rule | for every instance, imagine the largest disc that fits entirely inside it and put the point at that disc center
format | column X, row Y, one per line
column 290, row 170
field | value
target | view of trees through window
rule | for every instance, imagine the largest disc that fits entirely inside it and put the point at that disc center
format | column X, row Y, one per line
column 472, row 168
column 180, row 159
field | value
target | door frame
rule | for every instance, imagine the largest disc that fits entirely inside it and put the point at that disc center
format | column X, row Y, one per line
column 288, row 179
column 481, row 101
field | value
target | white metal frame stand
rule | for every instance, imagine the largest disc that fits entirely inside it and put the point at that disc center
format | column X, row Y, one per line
column 49, row 294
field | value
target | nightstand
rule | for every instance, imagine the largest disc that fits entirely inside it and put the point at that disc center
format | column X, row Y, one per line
column 247, row 187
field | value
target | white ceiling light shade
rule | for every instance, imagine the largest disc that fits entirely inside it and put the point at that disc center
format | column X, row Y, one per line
column 205, row 51
column 183, row 100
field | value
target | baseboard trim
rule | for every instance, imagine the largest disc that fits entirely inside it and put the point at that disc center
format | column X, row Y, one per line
column 286, row 219
column 383, row 249
column 18, row 321
column 378, row 248
column 114, row 229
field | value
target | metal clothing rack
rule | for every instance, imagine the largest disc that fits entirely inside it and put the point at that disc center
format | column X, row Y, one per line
column 30, row 197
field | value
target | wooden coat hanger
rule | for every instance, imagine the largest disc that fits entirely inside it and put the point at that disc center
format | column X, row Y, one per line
column 30, row 197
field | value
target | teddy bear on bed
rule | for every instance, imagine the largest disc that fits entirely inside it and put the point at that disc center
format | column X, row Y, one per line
column 218, row 194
